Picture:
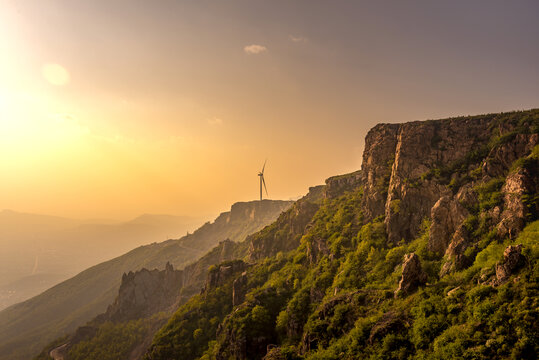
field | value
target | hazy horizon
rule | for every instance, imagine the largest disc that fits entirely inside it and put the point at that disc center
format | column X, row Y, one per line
column 112, row 109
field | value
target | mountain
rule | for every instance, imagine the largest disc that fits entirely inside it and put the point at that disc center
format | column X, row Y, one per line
column 39, row 251
column 429, row 251
column 28, row 326
column 147, row 298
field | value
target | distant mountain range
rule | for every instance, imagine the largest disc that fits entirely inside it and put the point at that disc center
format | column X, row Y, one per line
column 25, row 328
column 39, row 251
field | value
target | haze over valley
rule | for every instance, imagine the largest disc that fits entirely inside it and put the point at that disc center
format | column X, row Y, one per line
column 39, row 251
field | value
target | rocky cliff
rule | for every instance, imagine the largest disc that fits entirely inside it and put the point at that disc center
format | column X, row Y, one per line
column 359, row 268
column 423, row 253
column 427, row 169
column 144, row 293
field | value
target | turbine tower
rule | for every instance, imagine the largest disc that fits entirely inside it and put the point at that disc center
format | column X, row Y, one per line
column 261, row 176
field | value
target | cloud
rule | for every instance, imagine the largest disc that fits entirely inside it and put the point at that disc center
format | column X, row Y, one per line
column 215, row 121
column 297, row 39
column 255, row 49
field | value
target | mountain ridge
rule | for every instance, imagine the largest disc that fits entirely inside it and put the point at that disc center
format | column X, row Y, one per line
column 420, row 257
column 70, row 304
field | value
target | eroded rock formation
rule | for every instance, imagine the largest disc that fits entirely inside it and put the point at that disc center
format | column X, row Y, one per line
column 412, row 275
column 517, row 185
column 145, row 292
column 223, row 272
column 512, row 261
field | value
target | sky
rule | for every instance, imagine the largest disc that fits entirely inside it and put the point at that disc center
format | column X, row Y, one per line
column 114, row 108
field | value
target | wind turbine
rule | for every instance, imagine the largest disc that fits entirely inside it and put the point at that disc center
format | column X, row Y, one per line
column 261, row 176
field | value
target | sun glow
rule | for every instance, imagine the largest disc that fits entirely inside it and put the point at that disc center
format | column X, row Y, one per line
column 55, row 74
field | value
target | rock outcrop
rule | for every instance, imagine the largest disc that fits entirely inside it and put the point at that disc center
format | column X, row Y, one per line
column 416, row 170
column 221, row 273
column 501, row 158
column 145, row 292
column 454, row 255
column 412, row 275
column 285, row 233
column 512, row 261
column 447, row 215
column 378, row 158
column 239, row 289
column 338, row 185
column 421, row 147
column 518, row 184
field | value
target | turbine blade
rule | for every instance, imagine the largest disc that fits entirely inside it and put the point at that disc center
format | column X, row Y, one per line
column 264, row 182
column 264, row 166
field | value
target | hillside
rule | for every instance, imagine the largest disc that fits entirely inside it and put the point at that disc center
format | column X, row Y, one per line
column 26, row 327
column 147, row 298
column 430, row 251
column 39, row 251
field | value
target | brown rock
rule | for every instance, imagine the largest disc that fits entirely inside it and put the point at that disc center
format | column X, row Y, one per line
column 446, row 215
column 145, row 292
column 513, row 217
column 512, row 261
column 500, row 158
column 378, row 158
column 412, row 275
column 423, row 146
column 338, row 185
column 223, row 272
column 455, row 258
column 239, row 289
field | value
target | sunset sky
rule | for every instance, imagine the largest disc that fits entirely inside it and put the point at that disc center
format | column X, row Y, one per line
column 116, row 108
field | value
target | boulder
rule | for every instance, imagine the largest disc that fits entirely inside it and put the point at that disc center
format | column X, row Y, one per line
column 512, row 261
column 446, row 215
column 412, row 275
column 455, row 259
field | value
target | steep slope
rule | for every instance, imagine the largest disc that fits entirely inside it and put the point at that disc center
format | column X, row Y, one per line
column 430, row 251
column 26, row 327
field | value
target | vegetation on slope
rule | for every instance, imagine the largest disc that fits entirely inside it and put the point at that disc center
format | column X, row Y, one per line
column 334, row 296
column 26, row 327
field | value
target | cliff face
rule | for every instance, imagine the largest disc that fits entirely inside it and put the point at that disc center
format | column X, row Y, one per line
column 244, row 218
column 144, row 293
column 285, row 233
column 409, row 168
column 357, row 268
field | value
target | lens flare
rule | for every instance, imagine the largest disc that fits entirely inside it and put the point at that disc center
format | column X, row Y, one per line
column 55, row 74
